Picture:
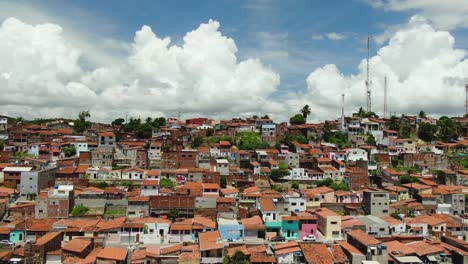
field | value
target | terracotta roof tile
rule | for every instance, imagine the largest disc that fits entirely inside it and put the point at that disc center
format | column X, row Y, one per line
column 110, row 253
column 266, row 204
column 363, row 237
column 77, row 245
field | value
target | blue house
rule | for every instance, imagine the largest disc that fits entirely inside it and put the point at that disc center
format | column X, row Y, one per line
column 230, row 229
column 17, row 236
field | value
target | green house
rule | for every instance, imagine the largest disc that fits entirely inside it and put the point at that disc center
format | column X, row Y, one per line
column 17, row 236
column 290, row 227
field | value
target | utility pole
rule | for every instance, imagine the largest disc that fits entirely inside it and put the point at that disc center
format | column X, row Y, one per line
column 368, row 82
column 466, row 100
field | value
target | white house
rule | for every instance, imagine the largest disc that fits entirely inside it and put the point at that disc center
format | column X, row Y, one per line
column 80, row 147
column 154, row 151
column 150, row 187
column 156, row 231
column 354, row 154
column 133, row 173
column 222, row 166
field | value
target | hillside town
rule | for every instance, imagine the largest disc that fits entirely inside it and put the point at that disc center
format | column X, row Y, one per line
column 360, row 189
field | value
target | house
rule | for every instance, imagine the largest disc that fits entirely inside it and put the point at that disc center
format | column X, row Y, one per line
column 211, row 250
column 154, row 151
column 376, row 202
column 269, row 214
column 372, row 248
column 395, row 226
column 289, row 252
column 149, row 187
column 321, row 253
column 146, row 230
column 222, row 166
column 77, row 247
column 290, row 227
column 355, row 154
column 12, row 176
column 319, row 195
column 111, row 255
column 133, row 173
column 398, row 193
column 107, row 139
column 328, row 223
column 38, row 250
column 34, row 181
column 251, row 226
column 307, row 224
column 374, row 225
column 55, row 203
column 353, row 254
column 230, row 229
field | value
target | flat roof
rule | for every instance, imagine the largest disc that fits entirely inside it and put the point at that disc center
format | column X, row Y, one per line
column 17, row 169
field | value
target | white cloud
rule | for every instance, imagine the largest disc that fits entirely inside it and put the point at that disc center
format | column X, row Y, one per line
column 336, row 36
column 203, row 76
column 423, row 70
column 444, row 14
column 317, row 37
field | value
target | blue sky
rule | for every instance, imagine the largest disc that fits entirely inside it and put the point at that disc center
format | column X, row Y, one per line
column 292, row 39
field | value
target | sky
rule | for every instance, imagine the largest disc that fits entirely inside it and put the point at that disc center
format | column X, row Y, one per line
column 231, row 58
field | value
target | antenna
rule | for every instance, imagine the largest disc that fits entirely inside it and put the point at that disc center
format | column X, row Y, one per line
column 466, row 100
column 385, row 98
column 368, row 82
column 342, row 104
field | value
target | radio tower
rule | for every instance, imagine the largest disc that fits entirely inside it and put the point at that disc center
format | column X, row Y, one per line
column 385, row 98
column 466, row 100
column 368, row 82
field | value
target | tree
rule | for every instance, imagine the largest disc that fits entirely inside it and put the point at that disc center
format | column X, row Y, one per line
column 407, row 179
column 209, row 132
column 81, row 124
column 405, row 131
column 144, row 131
column 118, row 122
column 250, row 140
column 295, row 185
column 278, row 174
column 305, row 111
column 325, row 182
column 265, row 117
column 79, row 210
column 297, row 119
column 223, row 181
column 173, row 213
column 238, row 258
column 69, row 151
column 167, row 183
column 197, row 141
column 371, row 140
column 422, row 114
column 394, row 123
column 448, row 129
column 339, row 186
column 159, row 122
column 427, row 132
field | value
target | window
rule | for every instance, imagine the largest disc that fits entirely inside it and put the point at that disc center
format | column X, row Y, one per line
column 302, row 204
column 334, row 222
column 384, row 211
column 293, row 204
column 267, row 214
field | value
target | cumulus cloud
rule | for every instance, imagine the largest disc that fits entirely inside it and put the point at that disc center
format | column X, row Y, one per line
column 336, row 36
column 41, row 75
column 444, row 14
column 417, row 61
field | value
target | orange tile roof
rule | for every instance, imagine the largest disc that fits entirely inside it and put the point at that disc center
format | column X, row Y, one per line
column 390, row 220
column 77, row 245
column 266, row 204
column 226, row 191
column 348, row 247
column 242, row 248
column 107, row 134
column 396, row 248
column 324, row 212
column 110, row 253
column 47, row 237
column 171, row 249
column 423, row 248
column 208, row 240
column 363, row 237
column 256, row 249
column 316, row 253
column 253, row 223
column 262, row 258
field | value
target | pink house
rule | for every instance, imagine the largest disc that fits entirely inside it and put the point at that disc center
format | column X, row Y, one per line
column 348, row 197
column 307, row 224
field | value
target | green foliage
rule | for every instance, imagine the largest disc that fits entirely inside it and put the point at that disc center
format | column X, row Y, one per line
column 115, row 211
column 448, row 129
column 210, row 140
column 250, row 140
column 297, row 119
column 265, row 117
column 223, row 181
column 295, row 185
column 407, row 179
column 422, row 114
column 132, row 124
column 20, row 154
column 305, row 111
column 209, row 132
column 325, row 182
column 364, row 114
column 288, row 139
column 427, row 132
column 81, row 124
column 144, row 131
column 339, row 186
column 69, row 151
column 167, row 183
column 79, row 210
column 278, row 174
column 118, row 122
column 462, row 161
column 396, row 215
column 197, row 141
column 371, row 140
column 394, row 123
column 406, row 169
column 278, row 188
column 173, row 213
column 238, row 258
column 405, row 132
column 283, row 166
column 159, row 122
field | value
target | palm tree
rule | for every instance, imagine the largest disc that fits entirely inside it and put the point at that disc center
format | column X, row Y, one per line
column 305, row 111
column 83, row 115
